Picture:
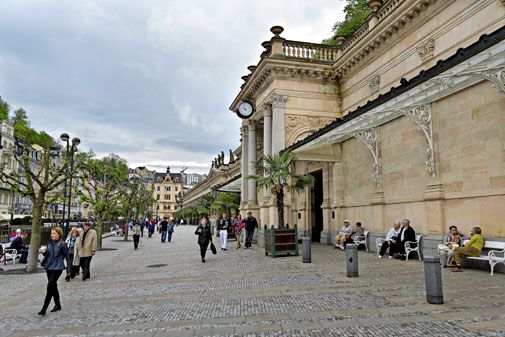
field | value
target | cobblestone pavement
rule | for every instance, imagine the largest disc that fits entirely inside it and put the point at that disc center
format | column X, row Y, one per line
column 245, row 293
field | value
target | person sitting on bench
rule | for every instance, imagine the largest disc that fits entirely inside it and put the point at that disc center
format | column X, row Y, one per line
column 472, row 248
column 343, row 235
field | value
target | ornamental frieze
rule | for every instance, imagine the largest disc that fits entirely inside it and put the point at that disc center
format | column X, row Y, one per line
column 426, row 49
column 297, row 125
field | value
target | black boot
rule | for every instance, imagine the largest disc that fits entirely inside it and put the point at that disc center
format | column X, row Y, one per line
column 56, row 308
column 42, row 312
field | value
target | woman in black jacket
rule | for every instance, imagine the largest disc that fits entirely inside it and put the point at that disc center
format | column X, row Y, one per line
column 204, row 237
column 54, row 254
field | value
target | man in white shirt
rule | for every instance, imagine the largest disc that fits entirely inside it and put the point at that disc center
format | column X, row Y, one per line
column 343, row 235
column 391, row 241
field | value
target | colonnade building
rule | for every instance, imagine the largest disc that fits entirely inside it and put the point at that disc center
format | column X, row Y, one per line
column 404, row 119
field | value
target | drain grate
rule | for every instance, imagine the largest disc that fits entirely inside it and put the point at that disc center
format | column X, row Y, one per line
column 156, row 265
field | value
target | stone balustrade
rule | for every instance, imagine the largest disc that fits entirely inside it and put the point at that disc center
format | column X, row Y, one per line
column 309, row 51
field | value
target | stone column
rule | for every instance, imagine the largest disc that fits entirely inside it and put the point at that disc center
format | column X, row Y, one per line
column 326, row 237
column 267, row 150
column 278, row 103
column 244, row 196
column 252, row 196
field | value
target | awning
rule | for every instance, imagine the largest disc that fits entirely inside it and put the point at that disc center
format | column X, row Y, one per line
column 233, row 185
column 7, row 217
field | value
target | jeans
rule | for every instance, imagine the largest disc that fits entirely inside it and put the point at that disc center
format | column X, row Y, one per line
column 85, row 265
column 24, row 255
column 203, row 249
column 385, row 245
column 223, row 235
column 136, row 239
column 142, row 232
column 163, row 236
column 169, row 236
column 52, row 288
column 248, row 239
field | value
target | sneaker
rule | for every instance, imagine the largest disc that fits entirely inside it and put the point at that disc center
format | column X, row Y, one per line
column 335, row 247
column 203, row 260
column 390, row 257
column 379, row 256
column 342, row 247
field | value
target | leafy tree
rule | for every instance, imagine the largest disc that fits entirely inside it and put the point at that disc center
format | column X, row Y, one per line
column 4, row 109
column 356, row 12
column 136, row 202
column 228, row 203
column 275, row 174
column 19, row 115
column 102, row 183
column 38, row 182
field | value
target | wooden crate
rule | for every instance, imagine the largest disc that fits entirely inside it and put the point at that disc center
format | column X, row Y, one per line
column 281, row 241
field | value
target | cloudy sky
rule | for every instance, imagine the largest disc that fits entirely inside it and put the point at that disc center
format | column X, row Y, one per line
column 150, row 80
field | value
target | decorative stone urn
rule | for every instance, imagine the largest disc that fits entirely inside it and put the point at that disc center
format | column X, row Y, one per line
column 251, row 68
column 339, row 38
column 277, row 30
column 374, row 5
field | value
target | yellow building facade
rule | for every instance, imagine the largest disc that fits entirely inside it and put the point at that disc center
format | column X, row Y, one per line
column 167, row 189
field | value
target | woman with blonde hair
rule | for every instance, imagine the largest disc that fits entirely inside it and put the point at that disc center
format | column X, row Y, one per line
column 72, row 241
column 54, row 254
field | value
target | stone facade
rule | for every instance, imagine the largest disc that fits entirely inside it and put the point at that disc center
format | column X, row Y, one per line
column 167, row 189
column 433, row 153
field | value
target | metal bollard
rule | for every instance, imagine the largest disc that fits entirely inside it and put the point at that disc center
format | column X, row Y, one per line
column 433, row 279
column 306, row 249
column 351, row 253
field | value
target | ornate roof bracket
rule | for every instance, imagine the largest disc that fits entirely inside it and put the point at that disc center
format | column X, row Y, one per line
column 421, row 116
column 496, row 77
column 369, row 138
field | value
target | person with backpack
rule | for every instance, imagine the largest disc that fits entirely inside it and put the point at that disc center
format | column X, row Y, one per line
column 54, row 255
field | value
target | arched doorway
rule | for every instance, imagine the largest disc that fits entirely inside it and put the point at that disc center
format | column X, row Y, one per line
column 316, row 199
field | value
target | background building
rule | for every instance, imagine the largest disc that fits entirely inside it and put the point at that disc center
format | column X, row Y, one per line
column 167, row 189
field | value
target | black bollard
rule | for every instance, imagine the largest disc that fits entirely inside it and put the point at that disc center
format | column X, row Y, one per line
column 351, row 253
column 433, row 279
column 306, row 249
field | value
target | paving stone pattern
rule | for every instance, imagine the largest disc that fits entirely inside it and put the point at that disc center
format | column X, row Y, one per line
column 245, row 293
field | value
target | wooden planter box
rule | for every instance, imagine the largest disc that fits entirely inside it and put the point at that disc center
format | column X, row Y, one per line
column 281, row 241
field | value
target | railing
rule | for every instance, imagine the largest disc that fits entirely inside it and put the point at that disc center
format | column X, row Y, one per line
column 309, row 51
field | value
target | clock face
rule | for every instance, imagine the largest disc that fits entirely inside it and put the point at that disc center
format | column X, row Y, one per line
column 245, row 109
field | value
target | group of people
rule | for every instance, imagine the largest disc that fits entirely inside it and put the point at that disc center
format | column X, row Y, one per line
column 453, row 250
column 72, row 254
column 398, row 235
column 237, row 226
column 347, row 234
column 19, row 242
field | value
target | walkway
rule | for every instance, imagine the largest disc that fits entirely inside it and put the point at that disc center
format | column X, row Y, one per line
column 244, row 293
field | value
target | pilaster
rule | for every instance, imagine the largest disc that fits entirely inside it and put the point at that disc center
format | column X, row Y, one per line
column 278, row 103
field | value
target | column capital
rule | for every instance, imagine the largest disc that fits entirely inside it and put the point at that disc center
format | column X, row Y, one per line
column 267, row 111
column 277, row 100
column 243, row 129
column 251, row 124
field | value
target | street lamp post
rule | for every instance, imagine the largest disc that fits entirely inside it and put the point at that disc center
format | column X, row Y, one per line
column 75, row 141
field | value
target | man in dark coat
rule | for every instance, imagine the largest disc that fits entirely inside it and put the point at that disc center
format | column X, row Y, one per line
column 407, row 233
column 250, row 224
column 164, row 229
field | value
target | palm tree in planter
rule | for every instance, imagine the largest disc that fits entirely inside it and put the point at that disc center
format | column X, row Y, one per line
column 276, row 173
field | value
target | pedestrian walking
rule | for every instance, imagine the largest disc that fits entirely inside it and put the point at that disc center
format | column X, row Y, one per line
column 238, row 225
column 170, row 230
column 204, row 237
column 86, row 249
column 164, row 228
column 72, row 241
column 250, row 224
column 54, row 254
column 136, row 235
column 142, row 225
column 223, row 226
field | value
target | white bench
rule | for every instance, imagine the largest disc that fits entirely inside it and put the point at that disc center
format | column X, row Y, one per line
column 409, row 246
column 361, row 240
column 495, row 253
column 9, row 254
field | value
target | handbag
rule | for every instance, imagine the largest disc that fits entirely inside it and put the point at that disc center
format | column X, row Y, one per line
column 213, row 248
column 43, row 264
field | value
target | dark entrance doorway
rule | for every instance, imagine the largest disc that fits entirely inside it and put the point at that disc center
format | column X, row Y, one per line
column 316, row 199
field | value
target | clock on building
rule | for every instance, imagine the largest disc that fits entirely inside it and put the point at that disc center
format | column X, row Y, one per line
column 245, row 109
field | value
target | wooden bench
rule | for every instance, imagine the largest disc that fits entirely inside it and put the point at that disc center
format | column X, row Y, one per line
column 493, row 252
column 409, row 246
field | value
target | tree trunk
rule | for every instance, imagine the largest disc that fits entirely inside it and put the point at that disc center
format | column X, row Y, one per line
column 33, row 252
column 98, row 230
column 280, row 208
